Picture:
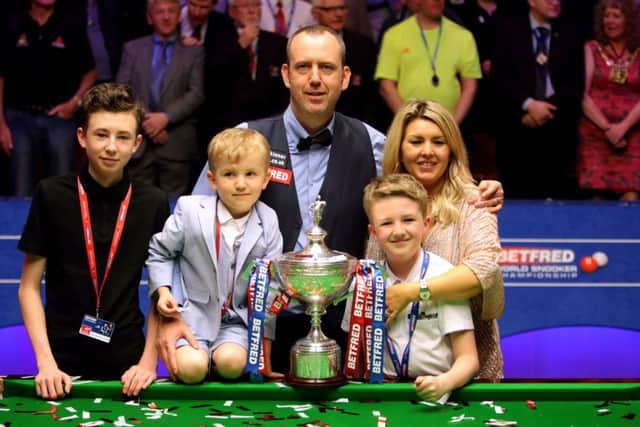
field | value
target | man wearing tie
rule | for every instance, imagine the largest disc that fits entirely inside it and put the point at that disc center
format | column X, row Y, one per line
column 194, row 21
column 168, row 80
column 539, row 77
column 285, row 17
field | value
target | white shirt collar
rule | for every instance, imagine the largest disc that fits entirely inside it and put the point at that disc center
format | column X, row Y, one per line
column 414, row 274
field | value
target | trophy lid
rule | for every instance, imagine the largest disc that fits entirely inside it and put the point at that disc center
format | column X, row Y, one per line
column 316, row 252
column 316, row 272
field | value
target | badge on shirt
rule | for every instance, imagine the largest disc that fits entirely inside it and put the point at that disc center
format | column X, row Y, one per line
column 98, row 329
column 541, row 59
column 280, row 175
column 278, row 168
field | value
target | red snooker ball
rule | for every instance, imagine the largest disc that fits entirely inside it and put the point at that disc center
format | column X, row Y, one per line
column 588, row 264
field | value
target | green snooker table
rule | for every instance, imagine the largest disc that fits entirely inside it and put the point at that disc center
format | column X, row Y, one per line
column 93, row 403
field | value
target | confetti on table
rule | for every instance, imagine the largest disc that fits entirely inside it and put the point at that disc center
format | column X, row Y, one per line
column 342, row 400
column 460, row 418
column 375, row 413
column 499, row 409
column 53, row 402
column 531, row 404
column 228, row 403
column 97, row 400
column 71, row 409
column 92, row 423
column 241, row 416
column 122, row 422
column 428, row 403
column 281, row 385
column 70, row 417
column 488, row 403
column 86, row 415
column 604, row 411
column 132, row 403
column 500, row 423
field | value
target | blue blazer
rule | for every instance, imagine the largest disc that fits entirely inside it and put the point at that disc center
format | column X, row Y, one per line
column 187, row 245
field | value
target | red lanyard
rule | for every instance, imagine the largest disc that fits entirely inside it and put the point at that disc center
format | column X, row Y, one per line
column 89, row 242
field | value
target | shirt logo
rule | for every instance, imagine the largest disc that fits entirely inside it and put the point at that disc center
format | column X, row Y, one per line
column 280, row 175
column 406, row 50
column 428, row 316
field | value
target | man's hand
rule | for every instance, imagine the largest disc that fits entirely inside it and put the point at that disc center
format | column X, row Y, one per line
column 398, row 296
column 540, row 111
column 191, row 41
column 491, row 196
column 6, row 141
column 528, row 121
column 431, row 388
column 137, row 378
column 65, row 110
column 169, row 331
column 154, row 123
column 52, row 383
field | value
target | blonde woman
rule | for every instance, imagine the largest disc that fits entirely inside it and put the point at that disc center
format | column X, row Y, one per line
column 424, row 141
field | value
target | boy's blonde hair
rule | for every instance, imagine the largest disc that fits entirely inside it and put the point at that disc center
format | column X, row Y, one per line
column 394, row 185
column 231, row 145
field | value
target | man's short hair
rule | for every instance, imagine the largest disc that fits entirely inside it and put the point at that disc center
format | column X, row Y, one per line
column 394, row 185
column 233, row 144
column 151, row 3
column 317, row 30
column 112, row 98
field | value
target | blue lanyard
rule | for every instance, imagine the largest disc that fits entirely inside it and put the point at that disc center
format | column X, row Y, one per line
column 403, row 369
column 286, row 22
column 432, row 59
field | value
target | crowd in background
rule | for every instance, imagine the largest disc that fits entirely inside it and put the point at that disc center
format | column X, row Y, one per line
column 546, row 91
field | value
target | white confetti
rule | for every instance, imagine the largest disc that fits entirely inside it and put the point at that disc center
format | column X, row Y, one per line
column 86, row 415
column 218, row 417
column 281, row 385
column 133, row 403
column 228, row 403
column 92, row 423
column 97, row 400
column 54, row 403
column 70, row 409
column 303, row 415
column 70, row 417
column 342, row 400
column 430, row 404
column 122, row 422
column 241, row 416
column 487, row 403
column 499, row 409
column 375, row 413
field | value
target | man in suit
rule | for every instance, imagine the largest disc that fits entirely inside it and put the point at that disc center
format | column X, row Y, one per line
column 539, row 76
column 361, row 98
column 168, row 80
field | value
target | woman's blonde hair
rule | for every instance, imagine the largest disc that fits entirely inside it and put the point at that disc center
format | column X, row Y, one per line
column 457, row 179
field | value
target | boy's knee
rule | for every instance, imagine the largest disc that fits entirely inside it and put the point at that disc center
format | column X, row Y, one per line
column 192, row 364
column 230, row 360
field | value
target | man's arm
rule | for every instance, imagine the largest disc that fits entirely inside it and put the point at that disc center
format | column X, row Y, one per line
column 67, row 109
column 468, row 90
column 389, row 91
column 51, row 382
column 6, row 141
column 141, row 375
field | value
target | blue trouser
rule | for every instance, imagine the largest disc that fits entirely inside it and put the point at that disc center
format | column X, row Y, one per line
column 38, row 135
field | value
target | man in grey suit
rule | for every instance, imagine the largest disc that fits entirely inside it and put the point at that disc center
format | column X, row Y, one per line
column 168, row 80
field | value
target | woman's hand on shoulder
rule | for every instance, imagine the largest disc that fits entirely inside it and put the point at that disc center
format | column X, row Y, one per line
column 491, row 196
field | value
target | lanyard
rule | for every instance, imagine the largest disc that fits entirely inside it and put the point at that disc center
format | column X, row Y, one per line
column 89, row 242
column 287, row 22
column 432, row 59
column 403, row 369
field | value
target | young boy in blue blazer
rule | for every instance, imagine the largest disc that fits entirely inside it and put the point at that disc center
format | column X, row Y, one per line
column 205, row 247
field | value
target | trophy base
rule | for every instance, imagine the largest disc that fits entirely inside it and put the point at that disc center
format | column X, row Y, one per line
column 313, row 383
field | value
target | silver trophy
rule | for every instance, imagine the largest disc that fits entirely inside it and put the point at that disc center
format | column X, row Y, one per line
column 315, row 276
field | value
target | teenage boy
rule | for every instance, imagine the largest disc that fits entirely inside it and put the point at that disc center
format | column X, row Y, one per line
column 431, row 341
column 90, row 233
column 211, row 241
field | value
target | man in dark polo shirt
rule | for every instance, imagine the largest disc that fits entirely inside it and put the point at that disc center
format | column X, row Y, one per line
column 45, row 67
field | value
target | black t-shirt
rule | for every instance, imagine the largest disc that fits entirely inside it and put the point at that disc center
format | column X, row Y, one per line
column 43, row 65
column 54, row 230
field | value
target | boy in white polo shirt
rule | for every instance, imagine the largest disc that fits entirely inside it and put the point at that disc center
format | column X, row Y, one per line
column 439, row 351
